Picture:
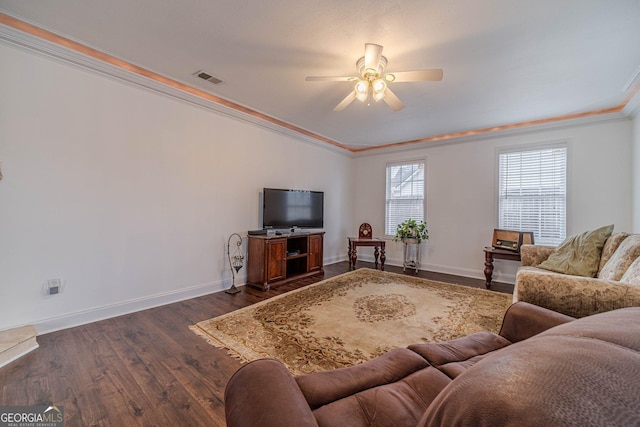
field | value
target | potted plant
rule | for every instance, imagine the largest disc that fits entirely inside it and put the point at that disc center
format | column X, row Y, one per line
column 412, row 229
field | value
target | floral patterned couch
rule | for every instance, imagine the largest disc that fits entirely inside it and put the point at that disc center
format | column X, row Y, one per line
column 615, row 285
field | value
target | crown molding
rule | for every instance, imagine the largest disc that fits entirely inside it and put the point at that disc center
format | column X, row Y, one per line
column 494, row 133
column 632, row 108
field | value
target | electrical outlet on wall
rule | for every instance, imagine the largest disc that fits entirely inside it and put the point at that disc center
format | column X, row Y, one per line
column 53, row 286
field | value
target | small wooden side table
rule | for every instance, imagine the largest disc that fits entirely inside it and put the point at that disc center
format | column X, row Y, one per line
column 489, row 254
column 354, row 242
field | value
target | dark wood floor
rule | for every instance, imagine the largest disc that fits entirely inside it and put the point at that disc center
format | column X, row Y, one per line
column 146, row 368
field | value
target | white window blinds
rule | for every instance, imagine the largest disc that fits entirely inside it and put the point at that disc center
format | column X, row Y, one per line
column 405, row 194
column 533, row 193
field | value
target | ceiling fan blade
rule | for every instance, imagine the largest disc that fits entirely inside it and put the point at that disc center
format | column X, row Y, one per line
column 331, row 79
column 346, row 101
column 372, row 54
column 433, row 75
column 392, row 100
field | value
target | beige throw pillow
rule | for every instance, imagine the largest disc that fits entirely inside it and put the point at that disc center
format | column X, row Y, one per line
column 579, row 255
column 610, row 247
column 621, row 259
column 632, row 275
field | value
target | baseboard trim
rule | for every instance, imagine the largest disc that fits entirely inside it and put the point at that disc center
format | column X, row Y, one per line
column 16, row 342
column 334, row 259
column 96, row 314
column 18, row 351
column 464, row 272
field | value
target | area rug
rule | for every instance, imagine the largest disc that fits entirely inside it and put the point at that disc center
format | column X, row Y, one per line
column 353, row 317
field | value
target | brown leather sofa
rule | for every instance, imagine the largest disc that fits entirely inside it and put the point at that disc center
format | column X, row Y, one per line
column 542, row 369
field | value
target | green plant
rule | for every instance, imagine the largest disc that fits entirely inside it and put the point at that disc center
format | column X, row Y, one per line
column 412, row 229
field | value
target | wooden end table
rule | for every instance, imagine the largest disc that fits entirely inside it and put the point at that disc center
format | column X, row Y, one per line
column 490, row 254
column 378, row 244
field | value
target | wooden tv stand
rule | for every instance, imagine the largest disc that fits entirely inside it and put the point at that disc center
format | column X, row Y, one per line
column 275, row 260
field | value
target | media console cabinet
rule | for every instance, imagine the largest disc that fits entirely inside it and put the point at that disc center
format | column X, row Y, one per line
column 275, row 260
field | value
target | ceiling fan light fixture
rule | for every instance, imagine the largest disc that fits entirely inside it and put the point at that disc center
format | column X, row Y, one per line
column 361, row 96
column 362, row 86
column 362, row 90
column 372, row 81
column 377, row 96
column 379, row 85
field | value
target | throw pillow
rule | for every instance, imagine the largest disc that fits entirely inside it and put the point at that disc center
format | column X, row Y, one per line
column 632, row 275
column 579, row 255
column 621, row 259
column 610, row 247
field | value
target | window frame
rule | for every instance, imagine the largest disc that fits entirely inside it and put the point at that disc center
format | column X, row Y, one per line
column 565, row 144
column 421, row 160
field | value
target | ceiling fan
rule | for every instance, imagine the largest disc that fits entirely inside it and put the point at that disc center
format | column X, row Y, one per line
column 373, row 81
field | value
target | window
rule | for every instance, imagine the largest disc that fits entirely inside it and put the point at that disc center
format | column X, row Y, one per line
column 532, row 192
column 405, row 194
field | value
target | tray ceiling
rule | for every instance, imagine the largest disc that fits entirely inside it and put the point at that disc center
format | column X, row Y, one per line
column 505, row 63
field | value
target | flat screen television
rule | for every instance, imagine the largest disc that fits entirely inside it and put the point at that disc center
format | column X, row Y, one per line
column 292, row 208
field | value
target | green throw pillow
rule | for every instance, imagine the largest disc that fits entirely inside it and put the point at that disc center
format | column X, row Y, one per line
column 579, row 255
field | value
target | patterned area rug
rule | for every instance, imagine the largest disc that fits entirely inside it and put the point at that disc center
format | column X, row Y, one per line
column 352, row 318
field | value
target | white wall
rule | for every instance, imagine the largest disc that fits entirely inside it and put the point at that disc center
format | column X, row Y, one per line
column 461, row 202
column 129, row 195
column 635, row 159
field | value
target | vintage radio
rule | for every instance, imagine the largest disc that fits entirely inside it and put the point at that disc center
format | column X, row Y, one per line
column 511, row 240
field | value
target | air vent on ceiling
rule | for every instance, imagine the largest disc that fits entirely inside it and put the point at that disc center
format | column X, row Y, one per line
column 208, row 77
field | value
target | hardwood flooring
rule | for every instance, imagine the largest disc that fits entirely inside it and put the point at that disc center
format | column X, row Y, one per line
column 146, row 368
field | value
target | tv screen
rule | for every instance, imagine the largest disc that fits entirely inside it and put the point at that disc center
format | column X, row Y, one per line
column 292, row 208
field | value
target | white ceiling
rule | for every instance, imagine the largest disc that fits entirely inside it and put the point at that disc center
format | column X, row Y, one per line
column 504, row 61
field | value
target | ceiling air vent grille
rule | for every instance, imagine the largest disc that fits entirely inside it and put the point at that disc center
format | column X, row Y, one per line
column 208, row 77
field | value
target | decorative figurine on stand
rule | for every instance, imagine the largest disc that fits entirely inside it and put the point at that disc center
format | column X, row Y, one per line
column 236, row 261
